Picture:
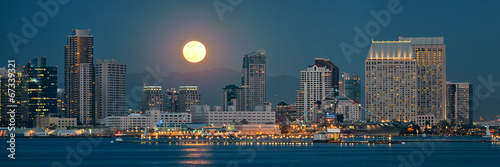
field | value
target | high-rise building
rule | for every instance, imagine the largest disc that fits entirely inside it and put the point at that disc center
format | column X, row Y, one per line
column 350, row 86
column 172, row 103
column 41, row 89
column 334, row 72
column 111, row 85
column 61, row 104
column 22, row 117
column 315, row 84
column 253, row 80
column 230, row 98
column 391, row 81
column 79, row 78
column 188, row 98
column 431, row 74
column 153, row 98
column 459, row 103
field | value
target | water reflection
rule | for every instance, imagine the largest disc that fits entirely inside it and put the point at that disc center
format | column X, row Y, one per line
column 197, row 154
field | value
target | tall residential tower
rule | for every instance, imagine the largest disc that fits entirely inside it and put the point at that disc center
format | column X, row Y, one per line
column 253, row 80
column 111, row 88
column 79, row 78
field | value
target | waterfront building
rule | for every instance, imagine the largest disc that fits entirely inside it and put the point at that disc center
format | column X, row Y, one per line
column 153, row 98
column 253, row 80
column 188, row 97
column 22, row 116
column 149, row 120
column 111, row 85
column 391, row 82
column 430, row 55
column 230, row 98
column 459, row 103
column 79, row 78
column 216, row 117
column 41, row 89
column 315, row 84
column 55, row 122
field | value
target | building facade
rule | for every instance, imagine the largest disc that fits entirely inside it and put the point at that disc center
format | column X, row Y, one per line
column 79, row 78
column 153, row 98
column 172, row 103
column 285, row 112
column 55, row 122
column 230, row 98
column 391, row 82
column 151, row 119
column 216, row 117
column 253, row 80
column 111, row 86
column 350, row 86
column 188, row 97
column 315, row 84
column 350, row 110
column 459, row 103
column 41, row 89
column 430, row 54
column 334, row 70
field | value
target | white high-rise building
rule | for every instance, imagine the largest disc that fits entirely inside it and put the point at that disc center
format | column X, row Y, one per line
column 391, row 81
column 111, row 87
column 430, row 54
column 315, row 84
column 253, row 80
column 86, row 92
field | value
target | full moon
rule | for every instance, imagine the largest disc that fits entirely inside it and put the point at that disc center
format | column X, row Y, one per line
column 194, row 51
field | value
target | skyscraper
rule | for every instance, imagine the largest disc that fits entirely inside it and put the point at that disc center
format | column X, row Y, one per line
column 230, row 96
column 253, row 80
column 431, row 74
column 315, row 84
column 172, row 100
column 334, row 72
column 391, row 81
column 111, row 87
column 188, row 98
column 153, row 98
column 41, row 89
column 350, row 85
column 79, row 78
column 459, row 103
column 61, row 104
column 22, row 117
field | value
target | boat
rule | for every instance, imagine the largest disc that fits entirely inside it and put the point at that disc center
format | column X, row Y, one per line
column 119, row 139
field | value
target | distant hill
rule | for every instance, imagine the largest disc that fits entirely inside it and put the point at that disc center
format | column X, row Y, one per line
column 210, row 84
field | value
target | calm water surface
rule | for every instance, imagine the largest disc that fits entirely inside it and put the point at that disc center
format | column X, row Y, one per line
column 100, row 152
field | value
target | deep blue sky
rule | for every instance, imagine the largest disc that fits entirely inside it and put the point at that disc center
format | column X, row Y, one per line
column 142, row 33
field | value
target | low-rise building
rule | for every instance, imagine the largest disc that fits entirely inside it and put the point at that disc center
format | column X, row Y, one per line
column 216, row 117
column 151, row 119
column 424, row 121
column 55, row 122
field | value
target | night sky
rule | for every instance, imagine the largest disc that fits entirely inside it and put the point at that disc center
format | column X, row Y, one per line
column 142, row 33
